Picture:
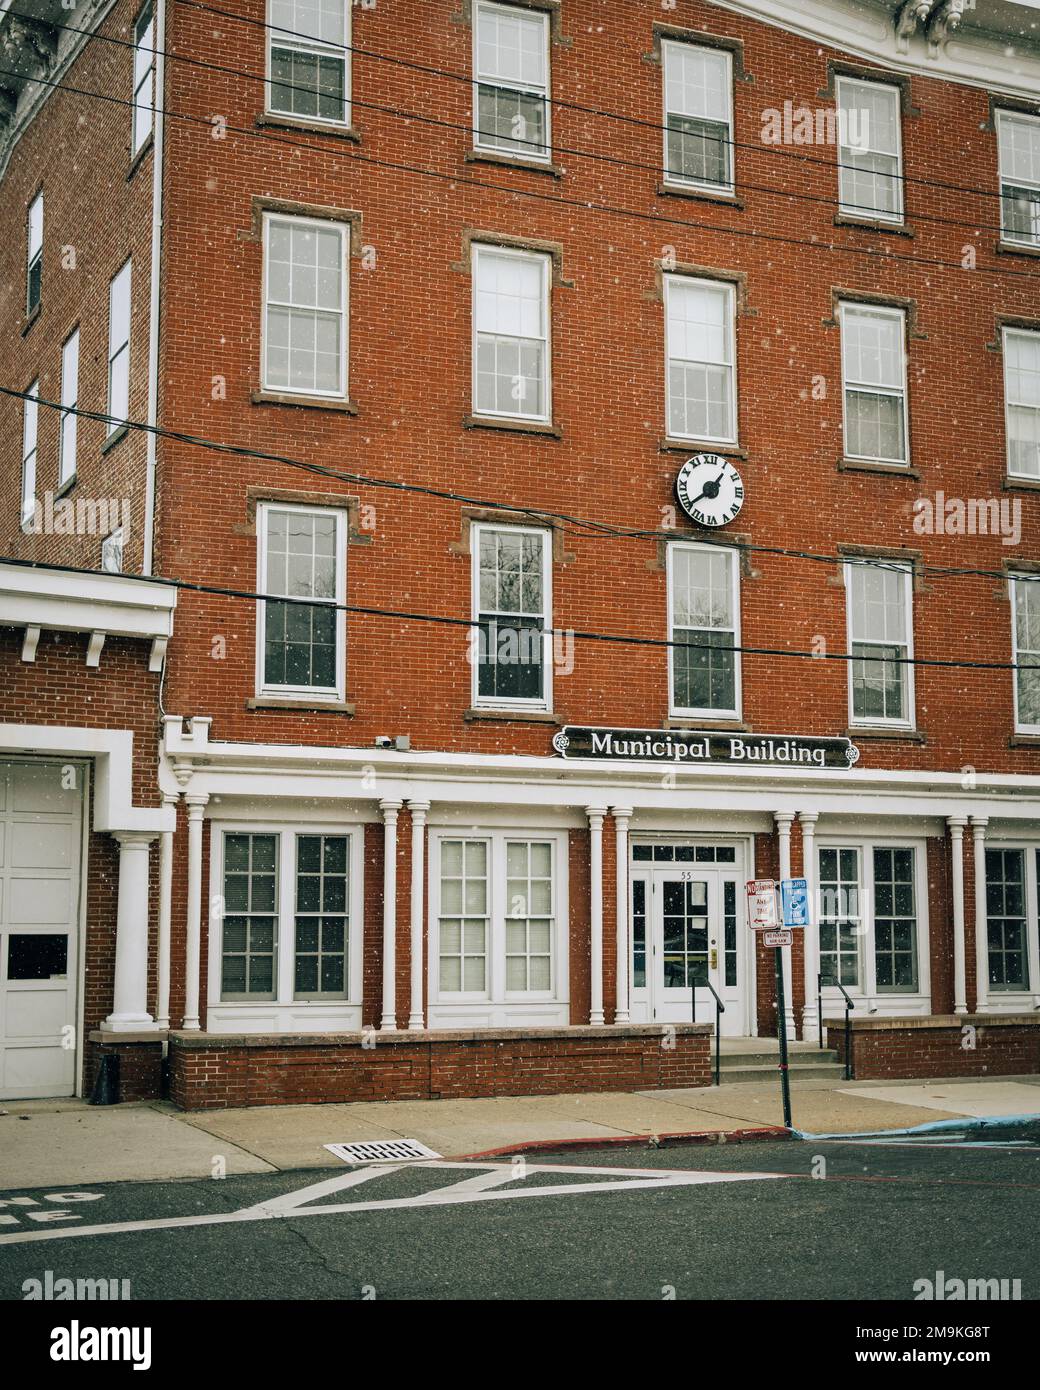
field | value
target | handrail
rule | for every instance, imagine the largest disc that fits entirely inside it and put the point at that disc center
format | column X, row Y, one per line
column 720, row 1009
column 849, row 1004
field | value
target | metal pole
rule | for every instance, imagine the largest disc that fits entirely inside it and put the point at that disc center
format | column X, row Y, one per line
column 781, row 1018
column 819, row 1008
column 848, row 1043
column 718, row 1043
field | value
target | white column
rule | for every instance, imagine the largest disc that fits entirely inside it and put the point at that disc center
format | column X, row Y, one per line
column 960, row 980
column 162, row 994
column 810, row 1015
column 595, row 815
column 784, row 820
column 196, row 803
column 418, row 810
column 978, row 831
column 130, row 992
column 622, row 1008
column 389, row 810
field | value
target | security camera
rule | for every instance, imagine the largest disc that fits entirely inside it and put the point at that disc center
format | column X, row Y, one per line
column 383, row 741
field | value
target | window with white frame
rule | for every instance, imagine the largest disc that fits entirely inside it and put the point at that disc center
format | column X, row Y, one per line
column 704, row 612
column 870, row 150
column 1007, row 920
column 698, row 116
column 511, row 80
column 301, row 647
column 840, row 930
column 701, row 373
column 880, row 635
column 69, row 404
column 119, row 349
column 873, row 360
column 34, row 254
column 305, row 306
column 1025, row 642
column 30, row 427
column 1022, row 401
column 511, row 332
column 1018, row 145
column 869, row 917
column 288, row 911
column 512, row 606
column 144, row 75
column 497, row 916
column 309, row 59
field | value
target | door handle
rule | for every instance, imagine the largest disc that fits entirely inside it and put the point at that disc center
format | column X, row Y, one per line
column 713, row 958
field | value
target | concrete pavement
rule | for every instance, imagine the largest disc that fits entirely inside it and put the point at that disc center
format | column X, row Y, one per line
column 58, row 1143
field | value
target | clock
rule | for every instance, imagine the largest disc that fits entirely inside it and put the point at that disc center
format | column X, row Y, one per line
column 710, row 490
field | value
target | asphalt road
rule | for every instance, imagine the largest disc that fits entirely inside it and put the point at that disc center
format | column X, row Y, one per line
column 829, row 1221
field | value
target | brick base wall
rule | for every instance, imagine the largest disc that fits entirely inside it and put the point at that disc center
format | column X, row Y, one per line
column 905, row 1048
column 209, row 1072
column 140, row 1067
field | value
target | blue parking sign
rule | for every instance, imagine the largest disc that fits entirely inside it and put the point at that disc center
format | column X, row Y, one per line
column 795, row 895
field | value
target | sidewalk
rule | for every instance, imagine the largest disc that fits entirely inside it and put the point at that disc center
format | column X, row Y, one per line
column 67, row 1143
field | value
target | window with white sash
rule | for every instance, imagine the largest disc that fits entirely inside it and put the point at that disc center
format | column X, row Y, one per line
column 698, row 116
column 704, row 613
column 30, row 428
column 69, row 404
column 872, row 916
column 119, row 349
column 308, row 59
column 1022, row 401
column 1010, row 888
column 511, row 80
column 1018, row 145
column 700, row 352
column 144, row 77
column 511, row 374
column 34, row 254
column 1025, row 648
column 512, row 605
column 870, row 150
column 305, row 306
column 873, row 360
column 879, row 598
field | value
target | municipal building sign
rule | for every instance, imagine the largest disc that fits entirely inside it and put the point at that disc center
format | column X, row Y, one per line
column 689, row 746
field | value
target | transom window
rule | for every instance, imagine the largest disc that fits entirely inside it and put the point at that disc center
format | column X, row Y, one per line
column 870, row 158
column 119, row 349
column 1018, row 144
column 301, row 647
column 30, row 430
column 511, row 86
column 701, row 383
column 698, row 115
column 880, row 641
column 1022, row 401
column 144, row 70
column 34, row 254
column 684, row 854
column 1008, row 946
column 1025, row 631
column 704, row 611
column 305, row 312
column 873, row 355
column 511, row 332
column 308, row 59
column 512, row 606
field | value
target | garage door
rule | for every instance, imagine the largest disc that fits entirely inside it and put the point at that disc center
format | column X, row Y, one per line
column 41, row 810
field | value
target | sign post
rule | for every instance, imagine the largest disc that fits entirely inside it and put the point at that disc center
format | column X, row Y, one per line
column 763, row 917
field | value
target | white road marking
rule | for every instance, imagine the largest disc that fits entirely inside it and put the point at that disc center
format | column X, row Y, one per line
column 477, row 1188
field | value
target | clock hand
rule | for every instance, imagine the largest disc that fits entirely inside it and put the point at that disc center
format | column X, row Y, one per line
column 711, row 488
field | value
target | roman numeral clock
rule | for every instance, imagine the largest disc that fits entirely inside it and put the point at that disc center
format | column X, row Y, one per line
column 710, row 490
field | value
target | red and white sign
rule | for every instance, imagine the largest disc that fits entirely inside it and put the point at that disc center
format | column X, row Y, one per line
column 761, row 904
column 778, row 938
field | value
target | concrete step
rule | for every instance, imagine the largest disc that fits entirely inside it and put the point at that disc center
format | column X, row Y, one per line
column 765, row 1069
column 770, row 1056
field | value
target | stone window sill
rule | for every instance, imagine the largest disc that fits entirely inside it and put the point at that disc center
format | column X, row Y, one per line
column 302, row 706
column 1024, row 741
column 32, row 317
column 1013, row 484
column 114, row 438
column 701, row 446
column 138, row 159
column 514, row 161
column 868, row 224
column 497, row 422
column 66, row 487
column 314, row 402
column 900, row 470
column 284, row 121
column 1012, row 248
column 515, row 716
column 701, row 195
column 882, row 733
column 696, row 726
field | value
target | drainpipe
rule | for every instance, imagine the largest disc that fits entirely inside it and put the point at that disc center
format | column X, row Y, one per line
column 159, row 42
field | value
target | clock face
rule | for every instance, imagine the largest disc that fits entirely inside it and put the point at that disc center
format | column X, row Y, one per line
column 710, row 490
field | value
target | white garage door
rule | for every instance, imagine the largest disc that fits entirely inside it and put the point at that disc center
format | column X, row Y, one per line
column 41, row 809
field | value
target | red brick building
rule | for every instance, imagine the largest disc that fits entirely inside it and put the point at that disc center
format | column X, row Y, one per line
column 629, row 415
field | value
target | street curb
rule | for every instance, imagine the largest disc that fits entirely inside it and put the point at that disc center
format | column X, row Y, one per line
column 646, row 1141
column 969, row 1122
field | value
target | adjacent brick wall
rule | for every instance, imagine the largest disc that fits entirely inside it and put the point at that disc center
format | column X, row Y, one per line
column 212, row 1073
column 140, row 1067
column 930, row 1047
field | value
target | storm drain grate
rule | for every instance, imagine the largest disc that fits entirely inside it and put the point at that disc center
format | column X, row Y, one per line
column 381, row 1151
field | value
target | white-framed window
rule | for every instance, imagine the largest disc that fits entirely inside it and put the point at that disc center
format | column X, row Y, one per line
column 119, row 349
column 1018, row 153
column 112, row 548
column 704, row 611
column 308, row 60
column 498, row 924
column 700, row 359
column 511, row 80
column 872, row 913
column 301, row 648
column 30, row 428
column 698, row 116
column 873, row 365
column 1025, row 649
column 286, row 924
column 1013, row 949
column 511, row 648
column 34, row 254
column 880, row 637
column 144, row 77
column 305, row 306
column 870, row 150
column 69, row 404
column 511, row 350
column 1022, row 401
